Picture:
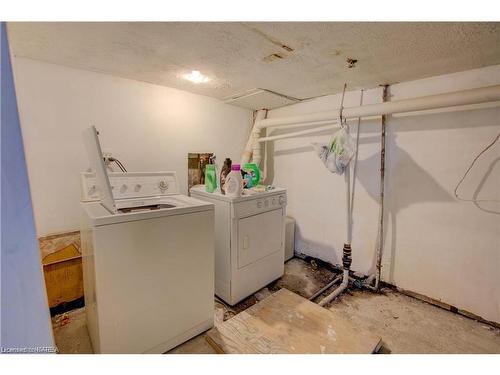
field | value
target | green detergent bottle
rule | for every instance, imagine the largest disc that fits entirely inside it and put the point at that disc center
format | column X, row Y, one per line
column 252, row 174
column 210, row 178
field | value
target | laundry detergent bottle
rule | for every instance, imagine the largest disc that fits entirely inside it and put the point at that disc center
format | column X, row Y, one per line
column 234, row 182
column 210, row 178
column 226, row 169
column 252, row 174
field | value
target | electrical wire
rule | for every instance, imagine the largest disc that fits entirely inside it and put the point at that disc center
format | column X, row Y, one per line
column 119, row 163
column 123, row 167
column 468, row 170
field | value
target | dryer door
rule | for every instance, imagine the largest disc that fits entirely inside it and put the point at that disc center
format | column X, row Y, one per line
column 259, row 236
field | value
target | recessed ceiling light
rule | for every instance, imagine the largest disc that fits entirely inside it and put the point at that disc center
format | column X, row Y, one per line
column 196, row 77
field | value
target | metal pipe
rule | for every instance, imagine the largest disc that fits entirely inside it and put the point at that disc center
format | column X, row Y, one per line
column 380, row 246
column 336, row 292
column 329, row 285
column 457, row 98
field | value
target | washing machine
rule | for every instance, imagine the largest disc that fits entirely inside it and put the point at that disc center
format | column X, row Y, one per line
column 148, row 259
column 249, row 240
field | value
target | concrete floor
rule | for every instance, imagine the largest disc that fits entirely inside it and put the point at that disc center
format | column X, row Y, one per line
column 406, row 324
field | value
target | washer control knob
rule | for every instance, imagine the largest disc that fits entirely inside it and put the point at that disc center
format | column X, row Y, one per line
column 163, row 185
column 274, row 201
column 123, row 188
column 259, row 204
column 282, row 200
column 137, row 187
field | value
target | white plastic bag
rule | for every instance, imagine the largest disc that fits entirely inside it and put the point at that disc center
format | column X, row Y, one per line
column 337, row 154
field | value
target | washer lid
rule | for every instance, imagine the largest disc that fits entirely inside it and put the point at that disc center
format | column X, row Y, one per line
column 141, row 209
column 94, row 153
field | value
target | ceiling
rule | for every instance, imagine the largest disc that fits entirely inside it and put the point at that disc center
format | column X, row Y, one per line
column 299, row 60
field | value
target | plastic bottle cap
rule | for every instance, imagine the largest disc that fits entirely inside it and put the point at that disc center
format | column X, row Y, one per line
column 235, row 167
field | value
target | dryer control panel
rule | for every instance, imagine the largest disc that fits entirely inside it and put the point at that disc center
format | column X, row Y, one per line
column 261, row 203
column 130, row 185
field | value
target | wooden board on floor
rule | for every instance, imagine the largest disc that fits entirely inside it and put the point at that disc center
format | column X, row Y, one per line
column 285, row 322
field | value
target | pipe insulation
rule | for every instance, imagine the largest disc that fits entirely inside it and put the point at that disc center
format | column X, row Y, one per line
column 471, row 97
column 452, row 99
column 253, row 138
column 332, row 125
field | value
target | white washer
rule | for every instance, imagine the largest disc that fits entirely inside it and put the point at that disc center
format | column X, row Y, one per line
column 249, row 241
column 149, row 266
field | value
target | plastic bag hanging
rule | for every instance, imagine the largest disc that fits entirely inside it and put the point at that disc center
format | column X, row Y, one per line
column 337, row 154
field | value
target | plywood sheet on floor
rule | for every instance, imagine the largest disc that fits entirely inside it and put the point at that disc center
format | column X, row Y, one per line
column 285, row 322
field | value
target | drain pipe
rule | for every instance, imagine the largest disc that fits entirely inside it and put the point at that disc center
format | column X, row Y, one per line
column 346, row 251
column 346, row 263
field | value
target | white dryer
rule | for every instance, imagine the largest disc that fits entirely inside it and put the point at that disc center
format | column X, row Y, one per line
column 249, row 241
column 148, row 261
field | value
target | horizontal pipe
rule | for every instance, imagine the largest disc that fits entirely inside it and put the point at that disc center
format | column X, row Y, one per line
column 336, row 292
column 460, row 108
column 298, row 133
column 317, row 123
column 301, row 124
column 457, row 98
column 329, row 285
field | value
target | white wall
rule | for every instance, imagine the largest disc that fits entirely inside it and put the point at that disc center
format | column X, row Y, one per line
column 147, row 127
column 434, row 245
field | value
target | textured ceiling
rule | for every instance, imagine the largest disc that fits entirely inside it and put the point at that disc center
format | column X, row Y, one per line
column 300, row 60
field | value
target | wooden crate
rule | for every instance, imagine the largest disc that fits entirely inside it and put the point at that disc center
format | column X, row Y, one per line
column 62, row 269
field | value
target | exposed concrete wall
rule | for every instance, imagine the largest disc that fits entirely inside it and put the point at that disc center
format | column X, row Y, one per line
column 434, row 244
column 147, row 127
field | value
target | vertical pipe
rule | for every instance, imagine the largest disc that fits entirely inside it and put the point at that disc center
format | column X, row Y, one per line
column 346, row 251
column 348, row 201
column 252, row 142
column 380, row 246
column 355, row 162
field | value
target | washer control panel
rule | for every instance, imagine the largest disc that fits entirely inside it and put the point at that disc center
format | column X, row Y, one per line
column 131, row 185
